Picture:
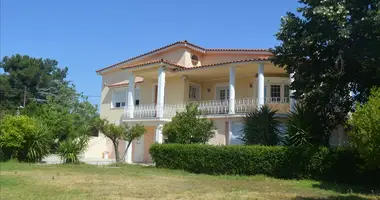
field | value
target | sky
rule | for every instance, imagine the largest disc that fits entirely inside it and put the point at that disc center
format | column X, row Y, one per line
column 86, row 35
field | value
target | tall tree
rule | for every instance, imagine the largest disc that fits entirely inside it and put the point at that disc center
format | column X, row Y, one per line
column 24, row 72
column 66, row 112
column 332, row 46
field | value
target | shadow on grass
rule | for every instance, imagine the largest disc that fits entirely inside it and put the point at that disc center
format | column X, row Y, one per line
column 349, row 197
column 348, row 189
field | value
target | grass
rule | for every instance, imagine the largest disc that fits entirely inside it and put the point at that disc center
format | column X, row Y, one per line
column 30, row 181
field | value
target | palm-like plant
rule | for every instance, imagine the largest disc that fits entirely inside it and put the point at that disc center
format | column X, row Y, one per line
column 304, row 128
column 70, row 148
column 261, row 127
column 37, row 144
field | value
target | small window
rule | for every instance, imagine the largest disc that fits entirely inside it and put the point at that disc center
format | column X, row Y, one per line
column 275, row 93
column 194, row 59
column 118, row 99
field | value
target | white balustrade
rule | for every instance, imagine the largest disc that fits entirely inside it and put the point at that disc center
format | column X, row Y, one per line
column 212, row 107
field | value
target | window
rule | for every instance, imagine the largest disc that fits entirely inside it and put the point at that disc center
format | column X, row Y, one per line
column 194, row 91
column 275, row 92
column 286, row 93
column 137, row 96
column 194, row 59
column 118, row 99
column 223, row 93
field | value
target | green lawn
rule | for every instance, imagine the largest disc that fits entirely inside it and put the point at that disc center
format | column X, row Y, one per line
column 30, row 181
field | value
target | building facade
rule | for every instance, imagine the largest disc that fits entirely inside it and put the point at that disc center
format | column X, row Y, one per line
column 152, row 87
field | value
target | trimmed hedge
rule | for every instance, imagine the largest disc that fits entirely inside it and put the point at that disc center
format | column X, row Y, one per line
column 338, row 164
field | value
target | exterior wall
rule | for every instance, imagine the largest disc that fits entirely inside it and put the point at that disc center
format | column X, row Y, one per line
column 175, row 55
column 174, row 90
column 96, row 147
column 148, row 141
column 242, row 88
column 220, row 132
column 221, row 136
column 146, row 91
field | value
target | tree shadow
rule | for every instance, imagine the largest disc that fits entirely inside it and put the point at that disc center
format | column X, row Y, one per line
column 349, row 197
column 348, row 189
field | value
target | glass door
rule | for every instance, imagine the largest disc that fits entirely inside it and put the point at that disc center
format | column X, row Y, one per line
column 223, row 93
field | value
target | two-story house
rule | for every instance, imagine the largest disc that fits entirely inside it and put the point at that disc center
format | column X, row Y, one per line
column 152, row 87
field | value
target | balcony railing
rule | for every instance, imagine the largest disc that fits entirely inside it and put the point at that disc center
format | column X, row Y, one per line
column 212, row 107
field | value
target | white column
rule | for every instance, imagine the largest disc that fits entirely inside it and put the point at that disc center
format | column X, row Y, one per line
column 158, row 133
column 231, row 98
column 292, row 100
column 131, row 94
column 161, row 92
column 260, row 86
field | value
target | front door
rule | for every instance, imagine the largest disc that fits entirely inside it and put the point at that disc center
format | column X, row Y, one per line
column 138, row 153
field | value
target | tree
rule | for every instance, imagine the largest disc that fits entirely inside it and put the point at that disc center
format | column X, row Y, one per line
column 189, row 127
column 332, row 47
column 365, row 132
column 32, row 74
column 261, row 127
column 67, row 112
column 120, row 132
column 304, row 128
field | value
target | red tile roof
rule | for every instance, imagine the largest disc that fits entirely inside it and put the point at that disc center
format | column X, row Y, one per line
column 153, row 62
column 223, row 63
column 183, row 68
column 185, row 42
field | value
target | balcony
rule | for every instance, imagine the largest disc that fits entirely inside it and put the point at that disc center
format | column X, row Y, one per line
column 209, row 108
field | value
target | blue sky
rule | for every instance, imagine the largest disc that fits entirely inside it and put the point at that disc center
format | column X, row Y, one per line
column 87, row 35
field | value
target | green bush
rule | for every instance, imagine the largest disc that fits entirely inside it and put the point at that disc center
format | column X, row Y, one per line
column 304, row 128
column 261, row 127
column 340, row 164
column 188, row 127
column 365, row 132
column 24, row 138
column 70, row 148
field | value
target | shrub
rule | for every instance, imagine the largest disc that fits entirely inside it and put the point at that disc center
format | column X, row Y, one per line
column 304, row 128
column 70, row 148
column 365, row 132
column 24, row 138
column 187, row 127
column 261, row 127
column 340, row 164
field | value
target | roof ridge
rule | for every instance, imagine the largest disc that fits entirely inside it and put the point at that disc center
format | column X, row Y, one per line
column 175, row 43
